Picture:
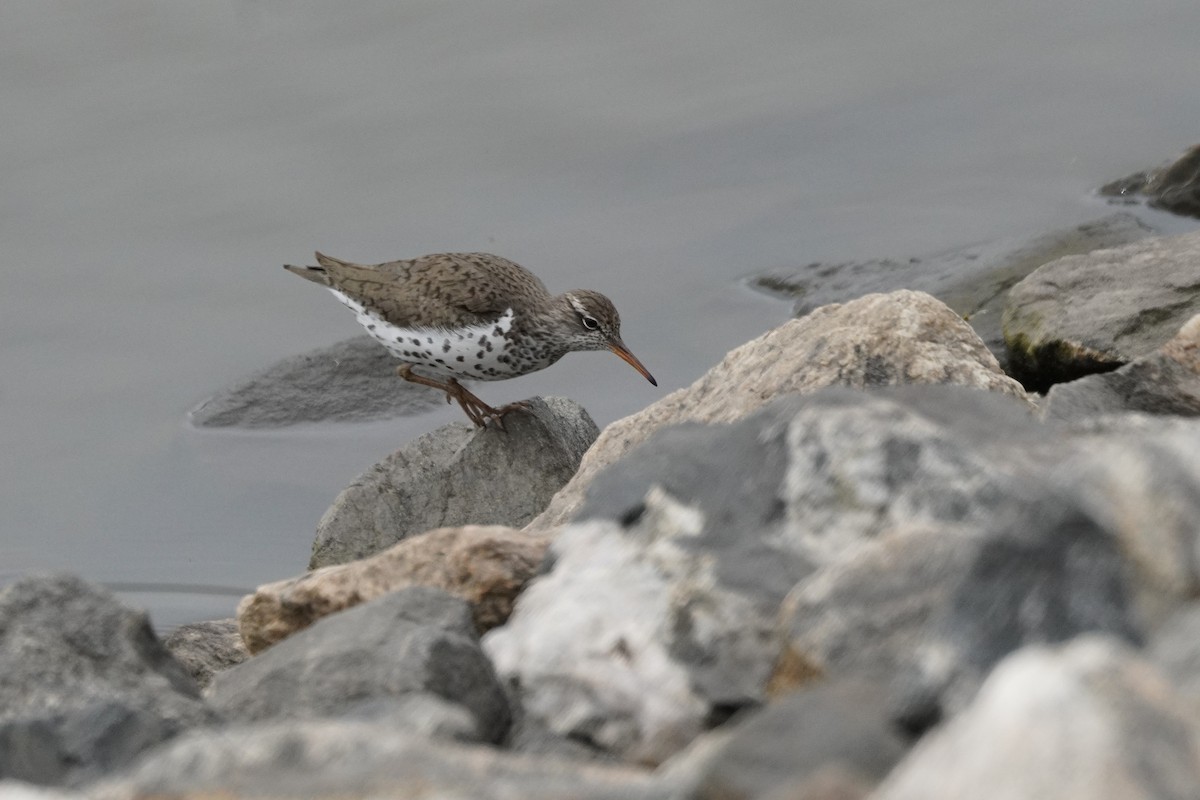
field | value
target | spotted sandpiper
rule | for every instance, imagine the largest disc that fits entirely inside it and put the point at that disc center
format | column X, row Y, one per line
column 470, row 315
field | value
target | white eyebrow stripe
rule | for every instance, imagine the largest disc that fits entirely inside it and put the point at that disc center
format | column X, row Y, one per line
column 578, row 306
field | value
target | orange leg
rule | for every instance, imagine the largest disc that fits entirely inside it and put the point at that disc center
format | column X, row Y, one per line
column 478, row 411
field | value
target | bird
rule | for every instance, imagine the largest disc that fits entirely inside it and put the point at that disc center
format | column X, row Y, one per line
column 470, row 316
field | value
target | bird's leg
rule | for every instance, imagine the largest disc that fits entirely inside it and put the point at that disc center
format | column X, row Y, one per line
column 478, row 411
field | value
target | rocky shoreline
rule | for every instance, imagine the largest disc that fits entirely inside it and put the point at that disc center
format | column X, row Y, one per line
column 854, row 559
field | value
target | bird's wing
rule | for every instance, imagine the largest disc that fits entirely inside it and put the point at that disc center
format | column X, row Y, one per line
column 438, row 290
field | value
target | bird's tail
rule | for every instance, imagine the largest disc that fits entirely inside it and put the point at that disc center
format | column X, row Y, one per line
column 317, row 274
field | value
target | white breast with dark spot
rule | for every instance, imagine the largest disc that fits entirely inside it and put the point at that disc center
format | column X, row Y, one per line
column 476, row 352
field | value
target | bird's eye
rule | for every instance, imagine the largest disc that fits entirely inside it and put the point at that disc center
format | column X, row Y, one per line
column 590, row 323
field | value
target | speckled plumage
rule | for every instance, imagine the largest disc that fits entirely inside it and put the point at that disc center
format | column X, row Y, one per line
column 474, row 316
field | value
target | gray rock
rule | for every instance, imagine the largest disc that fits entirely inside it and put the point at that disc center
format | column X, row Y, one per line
column 658, row 616
column 878, row 340
column 866, row 614
column 1140, row 475
column 206, row 648
column 85, row 685
column 838, row 726
column 1093, row 313
column 369, row 662
column 1174, row 187
column 931, row 609
column 1175, row 649
column 339, row 759
column 458, row 475
column 19, row 790
column 659, row 613
column 1046, row 573
column 352, row 381
column 972, row 280
column 1089, row 720
column 1165, row 382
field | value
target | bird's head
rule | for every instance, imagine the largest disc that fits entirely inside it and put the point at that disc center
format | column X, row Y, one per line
column 592, row 323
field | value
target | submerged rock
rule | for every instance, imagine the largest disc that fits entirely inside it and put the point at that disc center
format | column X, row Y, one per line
column 972, row 280
column 352, row 381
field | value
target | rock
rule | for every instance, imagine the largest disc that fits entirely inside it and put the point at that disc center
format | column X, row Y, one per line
column 830, row 729
column 1175, row 649
column 487, row 566
column 206, row 648
column 1046, row 573
column 1140, row 476
column 657, row 617
column 371, row 661
column 866, row 614
column 919, row 534
column 1165, row 382
column 830, row 783
column 1087, row 720
column 458, row 475
column 351, row 381
column 339, row 759
column 931, row 609
column 598, row 669
column 878, row 340
column 18, row 790
column 1094, row 313
column 973, row 280
column 86, row 686
column 1174, row 187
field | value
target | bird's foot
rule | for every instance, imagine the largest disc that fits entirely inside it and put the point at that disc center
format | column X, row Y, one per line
column 480, row 412
column 497, row 415
column 476, row 410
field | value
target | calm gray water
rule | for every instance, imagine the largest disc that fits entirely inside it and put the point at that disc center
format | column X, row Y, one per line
column 161, row 160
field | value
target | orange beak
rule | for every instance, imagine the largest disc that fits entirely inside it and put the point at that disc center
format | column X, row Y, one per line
column 629, row 358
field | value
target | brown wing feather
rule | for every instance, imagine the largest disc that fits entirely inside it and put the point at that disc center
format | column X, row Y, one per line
column 437, row 290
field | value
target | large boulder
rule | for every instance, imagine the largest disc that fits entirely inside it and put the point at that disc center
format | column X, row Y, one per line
column 878, row 340
column 352, row 381
column 85, row 685
column 1088, row 721
column 411, row 657
column 458, row 475
column 1093, row 313
column 659, row 615
column 485, row 565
